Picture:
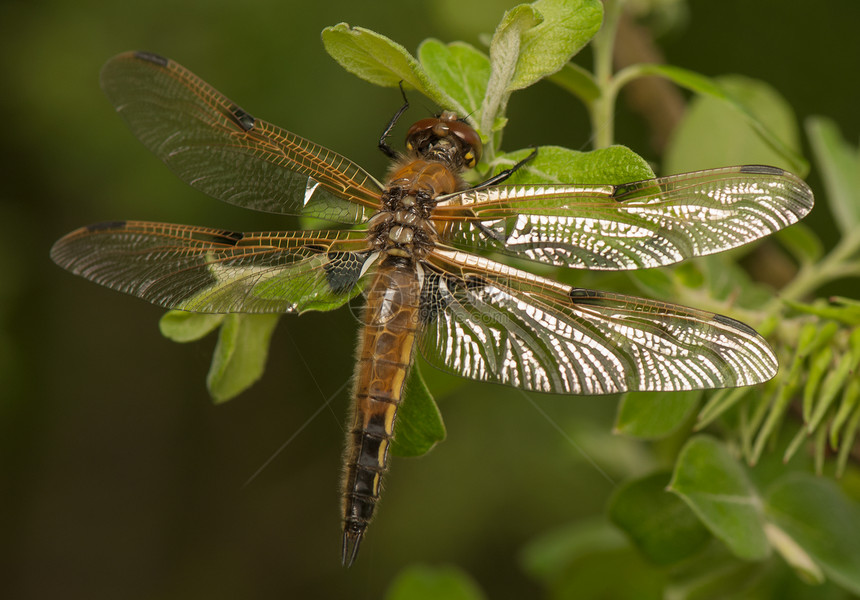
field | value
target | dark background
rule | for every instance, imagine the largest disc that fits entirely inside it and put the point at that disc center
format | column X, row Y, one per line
column 120, row 479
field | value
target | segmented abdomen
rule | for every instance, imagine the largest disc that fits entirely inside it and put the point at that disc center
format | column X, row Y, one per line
column 384, row 358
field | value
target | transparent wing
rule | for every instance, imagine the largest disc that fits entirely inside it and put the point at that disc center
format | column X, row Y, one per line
column 217, row 147
column 489, row 322
column 215, row 271
column 631, row 226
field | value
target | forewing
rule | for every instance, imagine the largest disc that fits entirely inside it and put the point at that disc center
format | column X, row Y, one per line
column 486, row 321
column 220, row 149
column 631, row 226
column 216, row 271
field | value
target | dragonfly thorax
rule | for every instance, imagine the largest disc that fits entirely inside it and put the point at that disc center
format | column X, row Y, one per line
column 403, row 228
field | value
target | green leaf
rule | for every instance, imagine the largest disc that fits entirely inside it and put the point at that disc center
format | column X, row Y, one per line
column 458, row 68
column 715, row 576
column 830, row 387
column 720, row 402
column 419, row 423
column 840, row 167
column 590, row 559
column 300, row 286
column 548, row 556
column 847, row 404
column 420, row 582
column 654, row 282
column 848, row 441
column 182, row 326
column 734, row 120
column 718, row 490
column 693, row 275
column 654, row 415
column 822, row 521
column 578, row 82
column 690, row 80
column 794, row 555
column 781, row 400
column 836, row 310
column 565, row 28
column 554, row 164
column 663, row 528
column 240, row 355
column 819, row 365
column 727, row 280
column 796, row 442
column 381, row 61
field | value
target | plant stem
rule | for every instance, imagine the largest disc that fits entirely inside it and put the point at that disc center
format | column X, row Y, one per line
column 603, row 108
column 836, row 265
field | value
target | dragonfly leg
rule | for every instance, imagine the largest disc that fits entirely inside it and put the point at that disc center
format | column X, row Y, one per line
column 502, row 175
column 383, row 143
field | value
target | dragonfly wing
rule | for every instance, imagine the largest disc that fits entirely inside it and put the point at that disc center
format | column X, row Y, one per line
column 637, row 225
column 216, row 271
column 489, row 322
column 215, row 146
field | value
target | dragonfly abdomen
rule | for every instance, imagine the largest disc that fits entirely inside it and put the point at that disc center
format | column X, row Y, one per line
column 384, row 357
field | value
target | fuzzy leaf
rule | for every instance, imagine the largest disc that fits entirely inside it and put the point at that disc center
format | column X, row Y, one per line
column 458, row 68
column 381, row 61
column 504, row 54
column 554, row 164
column 565, row 28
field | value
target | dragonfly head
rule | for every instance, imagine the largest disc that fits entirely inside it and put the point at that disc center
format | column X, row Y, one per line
column 446, row 138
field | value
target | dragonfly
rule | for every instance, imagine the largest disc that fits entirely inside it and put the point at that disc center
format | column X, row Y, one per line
column 421, row 249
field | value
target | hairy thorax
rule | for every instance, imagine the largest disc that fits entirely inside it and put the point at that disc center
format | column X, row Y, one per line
column 403, row 227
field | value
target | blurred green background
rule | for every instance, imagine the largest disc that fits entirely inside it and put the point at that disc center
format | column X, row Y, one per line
column 120, row 478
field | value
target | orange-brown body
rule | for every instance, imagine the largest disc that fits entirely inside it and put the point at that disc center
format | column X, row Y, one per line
column 402, row 234
column 384, row 358
column 424, row 175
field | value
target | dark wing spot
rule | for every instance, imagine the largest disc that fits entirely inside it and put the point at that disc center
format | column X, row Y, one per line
column 475, row 283
column 230, row 238
column 244, row 120
column 619, row 190
column 152, row 57
column 735, row 324
column 762, row 170
column 343, row 268
column 106, row 225
column 583, row 295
